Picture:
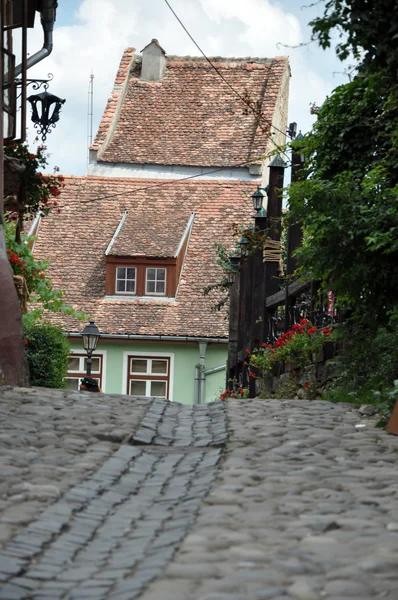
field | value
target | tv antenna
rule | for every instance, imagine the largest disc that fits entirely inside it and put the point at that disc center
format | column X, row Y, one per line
column 90, row 112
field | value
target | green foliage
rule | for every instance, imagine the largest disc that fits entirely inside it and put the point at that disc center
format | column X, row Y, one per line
column 41, row 291
column 221, row 289
column 287, row 388
column 39, row 191
column 47, row 349
column 367, row 369
column 348, row 203
column 296, row 345
column 368, row 29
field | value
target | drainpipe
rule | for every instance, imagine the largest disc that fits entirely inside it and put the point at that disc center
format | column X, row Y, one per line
column 196, row 385
column 201, row 367
column 47, row 14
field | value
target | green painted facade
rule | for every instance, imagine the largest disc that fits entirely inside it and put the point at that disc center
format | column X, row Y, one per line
column 184, row 358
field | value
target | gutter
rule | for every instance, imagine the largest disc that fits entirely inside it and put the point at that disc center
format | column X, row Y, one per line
column 158, row 338
column 48, row 15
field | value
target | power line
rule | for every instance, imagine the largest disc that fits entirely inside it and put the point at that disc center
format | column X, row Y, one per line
column 225, row 80
column 170, row 181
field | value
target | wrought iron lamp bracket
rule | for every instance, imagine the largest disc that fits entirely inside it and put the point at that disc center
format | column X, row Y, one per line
column 35, row 83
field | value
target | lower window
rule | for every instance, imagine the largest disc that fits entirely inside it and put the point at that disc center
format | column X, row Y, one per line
column 77, row 368
column 149, row 376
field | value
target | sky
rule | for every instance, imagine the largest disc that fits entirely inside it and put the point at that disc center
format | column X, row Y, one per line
column 90, row 36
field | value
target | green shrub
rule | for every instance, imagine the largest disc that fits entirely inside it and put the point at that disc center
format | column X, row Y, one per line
column 47, row 350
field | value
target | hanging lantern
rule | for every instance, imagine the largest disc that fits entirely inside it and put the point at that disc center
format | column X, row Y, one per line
column 45, row 112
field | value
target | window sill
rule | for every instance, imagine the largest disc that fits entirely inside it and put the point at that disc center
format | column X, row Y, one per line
column 128, row 298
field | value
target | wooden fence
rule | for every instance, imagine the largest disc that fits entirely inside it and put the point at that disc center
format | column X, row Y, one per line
column 263, row 303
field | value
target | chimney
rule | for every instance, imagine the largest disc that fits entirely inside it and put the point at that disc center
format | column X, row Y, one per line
column 153, row 62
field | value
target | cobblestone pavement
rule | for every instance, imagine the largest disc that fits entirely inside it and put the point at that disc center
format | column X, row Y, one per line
column 305, row 507
column 299, row 504
column 171, row 424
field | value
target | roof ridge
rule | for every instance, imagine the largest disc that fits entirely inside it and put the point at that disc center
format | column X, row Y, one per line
column 115, row 100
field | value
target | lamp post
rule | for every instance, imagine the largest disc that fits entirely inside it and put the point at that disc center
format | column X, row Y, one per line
column 90, row 336
column 258, row 198
column 234, row 261
column 42, row 118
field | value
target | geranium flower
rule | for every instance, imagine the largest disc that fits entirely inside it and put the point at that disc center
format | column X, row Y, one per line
column 306, row 385
column 311, row 330
column 326, row 331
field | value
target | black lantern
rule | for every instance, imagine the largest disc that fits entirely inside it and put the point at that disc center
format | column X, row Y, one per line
column 47, row 114
column 90, row 336
column 257, row 198
column 244, row 243
column 234, row 262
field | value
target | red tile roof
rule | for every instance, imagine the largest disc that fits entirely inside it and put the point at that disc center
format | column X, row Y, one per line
column 191, row 117
column 91, row 209
column 133, row 238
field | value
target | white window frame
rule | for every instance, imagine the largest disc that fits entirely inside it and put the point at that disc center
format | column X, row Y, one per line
column 102, row 353
column 156, row 269
column 128, row 293
column 154, row 355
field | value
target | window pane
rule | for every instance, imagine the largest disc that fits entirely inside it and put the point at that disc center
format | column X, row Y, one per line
column 160, row 287
column 161, row 274
column 73, row 383
column 138, row 366
column 151, row 274
column 95, row 365
column 158, row 388
column 131, row 273
column 159, row 366
column 150, row 287
column 130, row 286
column 73, row 363
column 120, row 286
column 137, row 388
column 121, row 273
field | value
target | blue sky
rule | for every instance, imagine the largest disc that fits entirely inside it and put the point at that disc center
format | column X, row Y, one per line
column 90, row 35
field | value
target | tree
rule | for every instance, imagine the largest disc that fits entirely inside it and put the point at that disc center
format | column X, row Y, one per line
column 348, row 203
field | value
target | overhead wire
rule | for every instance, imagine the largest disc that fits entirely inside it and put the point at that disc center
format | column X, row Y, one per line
column 226, row 80
column 170, row 181
column 246, row 162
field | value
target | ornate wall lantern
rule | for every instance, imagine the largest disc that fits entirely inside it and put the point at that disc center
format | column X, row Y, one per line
column 46, row 115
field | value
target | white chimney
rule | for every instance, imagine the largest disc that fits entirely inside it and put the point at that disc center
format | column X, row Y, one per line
column 153, row 62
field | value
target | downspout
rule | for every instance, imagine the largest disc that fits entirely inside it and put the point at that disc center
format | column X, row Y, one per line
column 48, row 15
column 199, row 391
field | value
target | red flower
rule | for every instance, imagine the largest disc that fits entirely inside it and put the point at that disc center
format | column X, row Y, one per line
column 326, row 331
column 253, row 375
column 26, row 342
column 61, row 178
column 247, row 350
column 304, row 322
column 269, row 345
column 32, row 156
column 245, row 362
column 306, row 385
column 42, row 276
column 58, row 210
column 311, row 330
column 263, row 345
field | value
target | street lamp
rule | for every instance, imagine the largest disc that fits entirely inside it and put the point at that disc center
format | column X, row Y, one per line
column 90, row 340
column 244, row 244
column 45, row 118
column 234, row 262
column 258, row 198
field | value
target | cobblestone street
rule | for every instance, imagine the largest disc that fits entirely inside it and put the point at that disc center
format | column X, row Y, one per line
column 105, row 497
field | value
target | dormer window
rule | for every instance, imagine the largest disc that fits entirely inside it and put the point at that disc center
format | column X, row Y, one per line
column 155, row 282
column 153, row 269
column 125, row 280
column 141, row 277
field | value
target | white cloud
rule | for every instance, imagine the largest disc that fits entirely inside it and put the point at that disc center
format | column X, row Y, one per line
column 103, row 28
